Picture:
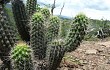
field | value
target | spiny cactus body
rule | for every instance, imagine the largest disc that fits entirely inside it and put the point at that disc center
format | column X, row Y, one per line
column 53, row 28
column 55, row 53
column 38, row 9
column 38, row 36
column 45, row 12
column 7, row 38
column 31, row 7
column 21, row 57
column 77, row 32
column 21, row 19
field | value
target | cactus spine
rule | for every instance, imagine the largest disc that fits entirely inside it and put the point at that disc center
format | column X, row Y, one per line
column 7, row 38
column 21, row 19
column 21, row 57
column 38, row 36
column 77, row 32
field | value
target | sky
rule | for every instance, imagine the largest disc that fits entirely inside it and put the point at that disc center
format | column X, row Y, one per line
column 95, row 9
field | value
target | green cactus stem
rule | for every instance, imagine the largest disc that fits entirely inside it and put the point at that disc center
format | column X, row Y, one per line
column 45, row 12
column 37, row 34
column 21, row 19
column 77, row 32
column 53, row 28
column 21, row 57
column 7, row 38
column 31, row 7
column 55, row 53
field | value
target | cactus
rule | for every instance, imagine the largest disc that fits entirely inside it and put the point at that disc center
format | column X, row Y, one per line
column 31, row 7
column 7, row 38
column 38, row 9
column 38, row 36
column 21, row 19
column 55, row 53
column 44, row 37
column 45, row 12
column 53, row 28
column 76, row 33
column 21, row 57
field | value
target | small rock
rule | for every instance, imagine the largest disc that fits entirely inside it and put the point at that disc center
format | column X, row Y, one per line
column 93, row 51
column 100, row 50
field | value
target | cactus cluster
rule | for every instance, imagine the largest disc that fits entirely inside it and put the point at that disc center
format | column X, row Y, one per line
column 21, row 57
column 42, row 31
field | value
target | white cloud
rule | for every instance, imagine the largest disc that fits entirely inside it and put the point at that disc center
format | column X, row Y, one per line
column 97, row 14
column 95, row 9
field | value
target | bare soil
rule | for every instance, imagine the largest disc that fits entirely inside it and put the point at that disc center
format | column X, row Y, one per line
column 90, row 55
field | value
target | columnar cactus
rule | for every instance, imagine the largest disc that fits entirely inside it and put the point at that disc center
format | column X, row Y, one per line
column 31, row 7
column 77, row 32
column 21, row 19
column 7, row 38
column 53, row 28
column 37, row 35
column 55, row 53
column 21, row 57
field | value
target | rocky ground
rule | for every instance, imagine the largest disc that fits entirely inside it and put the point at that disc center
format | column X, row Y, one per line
column 91, row 55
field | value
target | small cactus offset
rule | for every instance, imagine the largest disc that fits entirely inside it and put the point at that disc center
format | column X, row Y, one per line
column 37, row 35
column 31, row 7
column 21, row 19
column 76, row 33
column 7, row 38
column 21, row 57
column 53, row 28
column 55, row 53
